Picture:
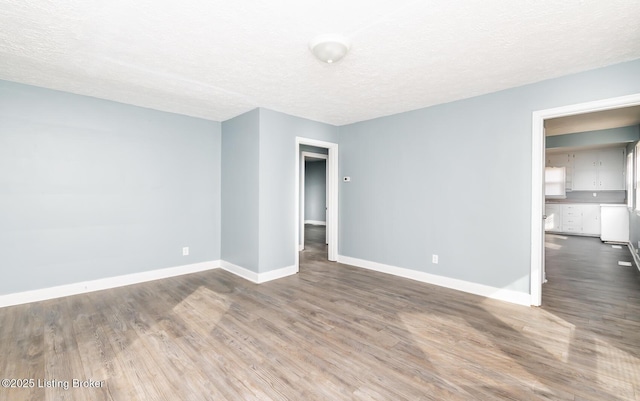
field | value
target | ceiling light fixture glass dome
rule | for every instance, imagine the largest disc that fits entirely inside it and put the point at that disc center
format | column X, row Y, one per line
column 329, row 48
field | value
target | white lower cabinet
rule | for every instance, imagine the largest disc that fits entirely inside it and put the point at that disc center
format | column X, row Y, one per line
column 553, row 222
column 591, row 220
column 572, row 218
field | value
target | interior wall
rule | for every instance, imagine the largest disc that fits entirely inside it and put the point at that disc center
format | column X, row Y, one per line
column 91, row 188
column 593, row 138
column 315, row 191
column 240, row 190
column 278, row 220
column 455, row 180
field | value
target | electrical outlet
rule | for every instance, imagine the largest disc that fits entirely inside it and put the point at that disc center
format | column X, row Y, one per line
column 185, row 251
column 434, row 259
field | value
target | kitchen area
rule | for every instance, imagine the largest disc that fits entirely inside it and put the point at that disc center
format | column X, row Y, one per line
column 586, row 191
column 592, row 200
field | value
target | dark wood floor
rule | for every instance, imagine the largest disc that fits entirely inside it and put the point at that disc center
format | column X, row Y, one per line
column 335, row 332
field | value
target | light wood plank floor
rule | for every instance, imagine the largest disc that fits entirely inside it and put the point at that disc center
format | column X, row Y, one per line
column 335, row 332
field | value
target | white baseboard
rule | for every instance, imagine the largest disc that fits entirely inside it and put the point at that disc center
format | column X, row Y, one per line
column 103, row 284
column 258, row 278
column 239, row 271
column 516, row 297
column 135, row 278
column 316, row 222
column 634, row 253
column 276, row 274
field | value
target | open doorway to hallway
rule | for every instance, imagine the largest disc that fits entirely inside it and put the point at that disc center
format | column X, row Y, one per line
column 316, row 200
column 315, row 248
column 313, row 204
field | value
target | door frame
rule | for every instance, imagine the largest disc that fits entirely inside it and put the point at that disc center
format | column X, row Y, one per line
column 537, row 177
column 332, row 198
column 303, row 170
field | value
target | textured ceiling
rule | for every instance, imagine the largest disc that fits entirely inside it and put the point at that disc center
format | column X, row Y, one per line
column 217, row 59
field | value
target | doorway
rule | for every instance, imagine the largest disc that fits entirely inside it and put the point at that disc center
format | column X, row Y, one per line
column 331, row 211
column 538, row 181
column 313, row 190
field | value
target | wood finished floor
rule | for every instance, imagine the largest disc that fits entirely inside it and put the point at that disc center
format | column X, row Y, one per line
column 335, row 332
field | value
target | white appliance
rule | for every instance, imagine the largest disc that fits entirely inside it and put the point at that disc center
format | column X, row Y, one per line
column 614, row 220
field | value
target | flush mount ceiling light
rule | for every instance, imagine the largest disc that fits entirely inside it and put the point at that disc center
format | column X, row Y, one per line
column 329, row 48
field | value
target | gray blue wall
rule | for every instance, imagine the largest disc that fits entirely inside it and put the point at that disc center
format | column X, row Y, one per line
column 315, row 191
column 240, row 190
column 434, row 180
column 278, row 222
column 91, row 188
column 592, row 138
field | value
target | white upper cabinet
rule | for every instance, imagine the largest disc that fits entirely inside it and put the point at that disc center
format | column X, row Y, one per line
column 599, row 170
column 585, row 170
column 558, row 159
column 611, row 169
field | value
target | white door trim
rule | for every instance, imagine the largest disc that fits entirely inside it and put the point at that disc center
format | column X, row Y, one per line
column 302, row 190
column 537, row 176
column 332, row 204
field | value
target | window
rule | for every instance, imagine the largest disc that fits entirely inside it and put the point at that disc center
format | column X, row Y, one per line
column 554, row 182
